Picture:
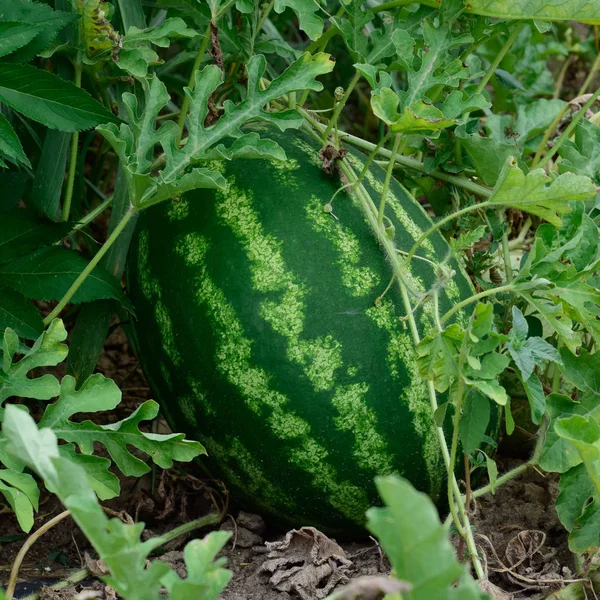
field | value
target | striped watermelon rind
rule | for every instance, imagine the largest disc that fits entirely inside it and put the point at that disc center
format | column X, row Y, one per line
column 259, row 333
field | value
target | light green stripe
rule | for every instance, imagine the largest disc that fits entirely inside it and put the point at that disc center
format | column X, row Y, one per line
column 360, row 280
column 356, row 416
column 254, row 483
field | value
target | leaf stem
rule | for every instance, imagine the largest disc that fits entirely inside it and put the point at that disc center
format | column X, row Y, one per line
column 185, row 105
column 66, row 208
column 404, row 161
column 475, row 298
column 91, row 265
column 567, row 132
column 512, row 38
column 508, row 476
column 340, row 105
column 93, row 214
column 264, row 15
column 386, row 182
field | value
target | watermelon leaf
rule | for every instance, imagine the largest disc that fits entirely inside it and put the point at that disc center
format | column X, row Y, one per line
column 47, row 351
column 134, row 143
column 538, row 194
column 96, row 394
column 541, row 10
column 134, row 54
column 117, row 543
column 417, row 544
column 22, row 494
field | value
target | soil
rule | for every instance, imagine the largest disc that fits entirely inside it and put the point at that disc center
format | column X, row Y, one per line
column 523, row 543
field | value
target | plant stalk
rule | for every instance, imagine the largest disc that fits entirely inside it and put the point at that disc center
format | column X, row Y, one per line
column 90, row 267
column 386, row 182
column 66, row 208
column 512, row 38
column 398, row 268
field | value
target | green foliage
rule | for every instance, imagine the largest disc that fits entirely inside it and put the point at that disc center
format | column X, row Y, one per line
column 94, row 395
column 117, row 544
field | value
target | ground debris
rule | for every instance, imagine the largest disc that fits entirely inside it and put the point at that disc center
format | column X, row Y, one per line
column 306, row 562
column 494, row 592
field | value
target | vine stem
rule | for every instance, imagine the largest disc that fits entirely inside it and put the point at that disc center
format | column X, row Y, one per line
column 398, row 269
column 460, row 305
column 186, row 101
column 90, row 266
column 512, row 38
column 386, row 182
column 66, row 207
column 567, row 132
column 340, row 105
column 508, row 476
column 211, row 519
column 403, row 161
column 506, row 256
column 32, row 539
column 264, row 15
column 91, row 216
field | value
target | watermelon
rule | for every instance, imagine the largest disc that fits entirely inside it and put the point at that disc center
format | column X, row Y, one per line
column 261, row 332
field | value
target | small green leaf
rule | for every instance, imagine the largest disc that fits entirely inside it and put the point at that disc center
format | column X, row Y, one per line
column 52, row 101
column 10, row 146
column 306, row 11
column 134, row 54
column 206, row 577
column 47, row 275
column 474, row 421
column 492, row 469
column 537, row 399
column 537, row 194
column 22, row 493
